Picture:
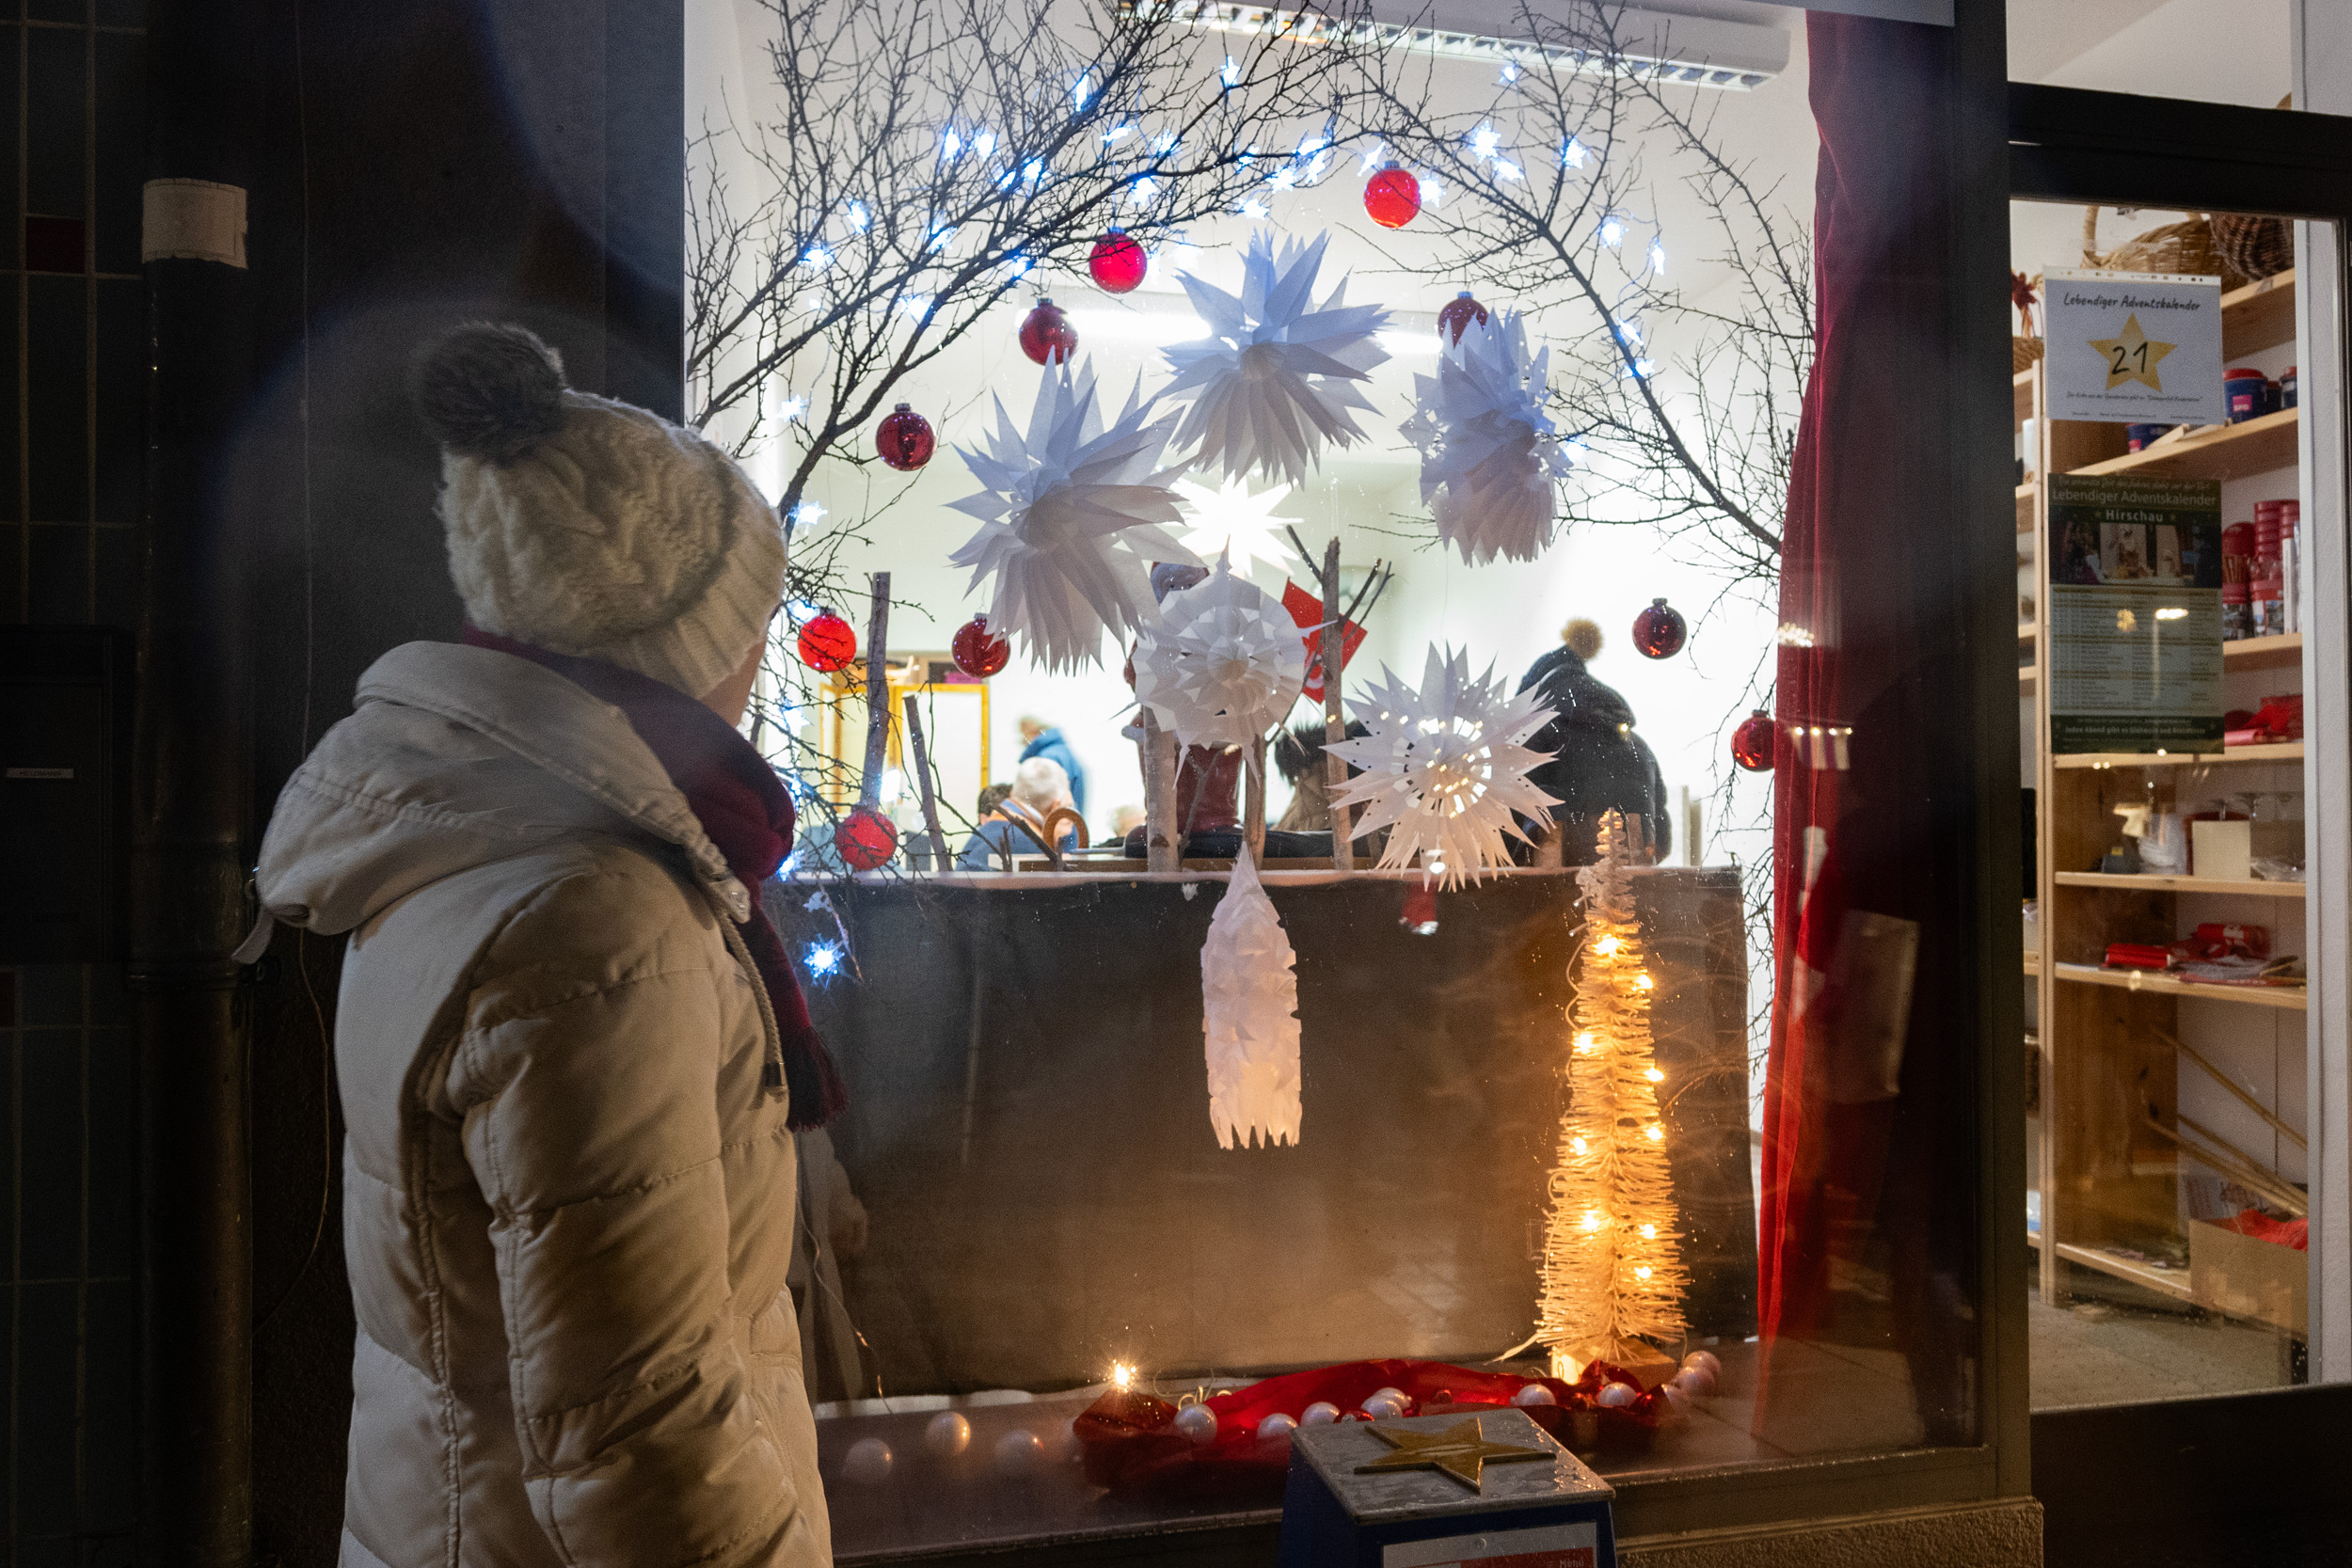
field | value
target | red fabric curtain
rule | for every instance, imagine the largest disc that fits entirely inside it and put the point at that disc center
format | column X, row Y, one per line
column 1856, row 810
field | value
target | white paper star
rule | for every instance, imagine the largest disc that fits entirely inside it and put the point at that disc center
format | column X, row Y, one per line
column 1230, row 521
column 1488, row 453
column 1070, row 520
column 1275, row 378
column 1443, row 769
column 1249, row 1017
column 1222, row 665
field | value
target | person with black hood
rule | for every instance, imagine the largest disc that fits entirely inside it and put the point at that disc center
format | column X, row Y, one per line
column 1598, row 764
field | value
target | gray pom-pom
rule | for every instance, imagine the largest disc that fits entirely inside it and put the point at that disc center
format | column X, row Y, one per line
column 490, row 391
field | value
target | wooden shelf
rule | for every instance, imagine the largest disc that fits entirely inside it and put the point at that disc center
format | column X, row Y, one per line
column 2033, row 961
column 2028, row 629
column 2025, row 675
column 2258, row 316
column 2282, row 652
column 2170, row 1282
column 2285, row 751
column 2290, row 998
column 2144, row 883
column 2214, row 451
column 2033, row 1239
column 2027, row 494
column 2021, row 394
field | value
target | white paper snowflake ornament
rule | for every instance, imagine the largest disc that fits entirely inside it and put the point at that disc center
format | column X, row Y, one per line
column 1249, row 1017
column 1488, row 453
column 1223, row 663
column 1231, row 521
column 1072, row 515
column 1275, row 377
column 1443, row 769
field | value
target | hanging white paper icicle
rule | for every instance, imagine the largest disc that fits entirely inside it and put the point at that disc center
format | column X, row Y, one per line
column 1223, row 664
column 1488, row 453
column 1070, row 520
column 1443, row 769
column 1275, row 378
column 1249, row 1017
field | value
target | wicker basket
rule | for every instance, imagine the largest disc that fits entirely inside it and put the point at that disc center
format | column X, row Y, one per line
column 2024, row 352
column 2259, row 247
column 2186, row 248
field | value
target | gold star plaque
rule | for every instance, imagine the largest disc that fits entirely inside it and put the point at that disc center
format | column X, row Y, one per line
column 1460, row 1450
column 2132, row 356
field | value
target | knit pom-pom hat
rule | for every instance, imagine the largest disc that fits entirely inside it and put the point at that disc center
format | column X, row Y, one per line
column 589, row 527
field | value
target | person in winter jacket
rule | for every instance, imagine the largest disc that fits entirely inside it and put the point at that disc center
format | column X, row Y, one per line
column 568, row 1044
column 1040, row 739
column 1598, row 764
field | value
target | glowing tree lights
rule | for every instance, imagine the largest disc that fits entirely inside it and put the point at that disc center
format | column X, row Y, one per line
column 1613, row 1270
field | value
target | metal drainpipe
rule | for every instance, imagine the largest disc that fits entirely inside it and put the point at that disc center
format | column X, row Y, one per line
column 193, row 787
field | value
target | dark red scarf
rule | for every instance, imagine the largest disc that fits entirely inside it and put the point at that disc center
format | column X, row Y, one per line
column 748, row 814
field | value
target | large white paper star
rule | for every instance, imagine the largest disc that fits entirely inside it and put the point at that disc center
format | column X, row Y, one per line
column 1222, row 665
column 1489, row 453
column 1443, row 769
column 1070, row 520
column 1274, row 377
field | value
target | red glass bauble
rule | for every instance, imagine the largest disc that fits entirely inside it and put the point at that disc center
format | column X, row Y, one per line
column 1117, row 263
column 866, row 839
column 904, row 439
column 978, row 651
column 1659, row 631
column 1752, row 742
column 1459, row 313
column 827, row 643
column 1046, row 334
column 1392, row 197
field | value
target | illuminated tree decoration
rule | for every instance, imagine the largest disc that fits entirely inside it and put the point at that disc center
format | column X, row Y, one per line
column 1275, row 377
column 1249, row 1017
column 1069, row 518
column 1613, row 1257
column 1488, row 453
column 1443, row 769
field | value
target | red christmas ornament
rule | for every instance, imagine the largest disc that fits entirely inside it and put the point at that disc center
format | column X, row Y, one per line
column 978, row 651
column 1459, row 313
column 1392, row 197
column 1420, row 914
column 1752, row 742
column 1117, row 263
column 1659, row 631
column 904, row 439
column 866, row 839
column 1047, row 335
column 827, row 643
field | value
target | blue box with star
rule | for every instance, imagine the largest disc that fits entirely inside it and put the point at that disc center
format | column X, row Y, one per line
column 1481, row 1489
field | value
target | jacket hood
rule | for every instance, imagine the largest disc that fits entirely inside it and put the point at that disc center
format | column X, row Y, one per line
column 453, row 757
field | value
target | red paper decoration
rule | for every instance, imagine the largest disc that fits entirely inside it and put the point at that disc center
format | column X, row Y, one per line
column 1117, row 263
column 1752, row 742
column 1659, row 631
column 827, row 643
column 978, row 651
column 1047, row 335
column 1459, row 313
column 904, row 439
column 1392, row 197
column 866, row 839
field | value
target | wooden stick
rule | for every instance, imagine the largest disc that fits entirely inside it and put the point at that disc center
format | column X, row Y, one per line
column 1159, row 796
column 877, row 693
column 1342, row 819
column 921, row 758
column 2226, row 1082
column 2252, row 1177
column 1253, row 807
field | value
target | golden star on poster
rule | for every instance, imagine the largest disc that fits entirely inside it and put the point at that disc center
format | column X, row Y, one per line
column 1460, row 1450
column 2132, row 356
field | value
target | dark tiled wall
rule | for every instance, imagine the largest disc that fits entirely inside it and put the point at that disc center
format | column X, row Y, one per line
column 71, row 137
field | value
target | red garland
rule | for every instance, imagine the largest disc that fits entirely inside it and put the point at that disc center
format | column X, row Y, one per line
column 1131, row 1442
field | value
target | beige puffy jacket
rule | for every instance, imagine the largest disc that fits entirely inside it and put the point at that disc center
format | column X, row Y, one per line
column 568, row 1199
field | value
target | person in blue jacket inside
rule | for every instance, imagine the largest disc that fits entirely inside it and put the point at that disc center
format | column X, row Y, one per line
column 1040, row 739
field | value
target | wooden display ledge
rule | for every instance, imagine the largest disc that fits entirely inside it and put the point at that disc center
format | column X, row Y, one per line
column 2284, row 751
column 2261, row 315
column 2282, row 652
column 2027, row 494
column 2291, row 998
column 2141, row 883
column 2255, row 445
column 2170, row 1282
column 2033, row 962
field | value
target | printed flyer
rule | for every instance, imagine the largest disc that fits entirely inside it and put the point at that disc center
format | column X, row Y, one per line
column 2133, row 347
column 2133, row 617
